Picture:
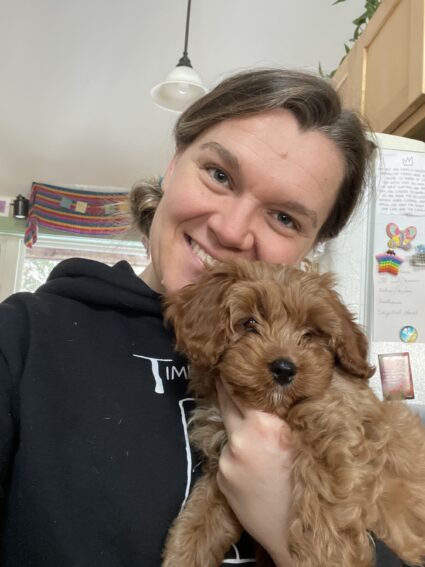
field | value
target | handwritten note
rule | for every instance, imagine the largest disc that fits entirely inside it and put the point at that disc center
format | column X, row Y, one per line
column 397, row 304
column 399, row 298
column 401, row 182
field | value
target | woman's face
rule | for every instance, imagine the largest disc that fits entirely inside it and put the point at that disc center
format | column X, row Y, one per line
column 258, row 188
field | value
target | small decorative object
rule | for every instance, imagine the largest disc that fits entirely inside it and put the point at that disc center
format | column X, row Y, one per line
column 88, row 212
column 408, row 334
column 5, row 206
column 400, row 238
column 20, row 207
column 389, row 262
column 396, row 376
column 418, row 259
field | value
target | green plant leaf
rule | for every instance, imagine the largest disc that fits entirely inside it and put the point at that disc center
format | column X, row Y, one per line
column 360, row 20
column 360, row 23
column 371, row 8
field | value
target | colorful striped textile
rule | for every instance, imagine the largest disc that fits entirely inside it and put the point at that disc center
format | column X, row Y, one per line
column 79, row 211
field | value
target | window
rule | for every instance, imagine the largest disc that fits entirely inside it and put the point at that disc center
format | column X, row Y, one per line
column 25, row 269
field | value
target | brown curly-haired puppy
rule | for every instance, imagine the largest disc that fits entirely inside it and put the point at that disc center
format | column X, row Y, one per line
column 283, row 342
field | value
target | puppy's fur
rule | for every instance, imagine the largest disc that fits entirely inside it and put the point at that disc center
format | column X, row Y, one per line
column 359, row 464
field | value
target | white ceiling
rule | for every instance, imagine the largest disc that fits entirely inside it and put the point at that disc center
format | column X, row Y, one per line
column 75, row 75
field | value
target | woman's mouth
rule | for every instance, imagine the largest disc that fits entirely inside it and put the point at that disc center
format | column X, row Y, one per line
column 200, row 252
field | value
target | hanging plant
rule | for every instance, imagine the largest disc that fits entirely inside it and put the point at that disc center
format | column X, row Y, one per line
column 360, row 23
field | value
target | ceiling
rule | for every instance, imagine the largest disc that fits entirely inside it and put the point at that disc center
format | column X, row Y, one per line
column 75, row 75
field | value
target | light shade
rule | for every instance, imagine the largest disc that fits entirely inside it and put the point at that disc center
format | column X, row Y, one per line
column 181, row 87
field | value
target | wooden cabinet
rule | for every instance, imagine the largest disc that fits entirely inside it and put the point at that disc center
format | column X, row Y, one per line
column 383, row 76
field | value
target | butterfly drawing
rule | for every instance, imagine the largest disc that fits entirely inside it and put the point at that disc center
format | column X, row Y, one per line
column 400, row 238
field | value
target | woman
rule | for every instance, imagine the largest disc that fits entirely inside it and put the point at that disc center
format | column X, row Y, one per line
column 94, row 457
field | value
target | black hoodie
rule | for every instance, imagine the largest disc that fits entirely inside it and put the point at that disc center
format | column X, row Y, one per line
column 94, row 459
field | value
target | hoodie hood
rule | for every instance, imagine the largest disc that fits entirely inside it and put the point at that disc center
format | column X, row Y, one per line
column 97, row 284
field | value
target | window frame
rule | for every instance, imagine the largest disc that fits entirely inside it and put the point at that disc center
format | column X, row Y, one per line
column 12, row 249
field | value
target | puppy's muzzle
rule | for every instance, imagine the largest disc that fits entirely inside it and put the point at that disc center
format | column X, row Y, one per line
column 283, row 371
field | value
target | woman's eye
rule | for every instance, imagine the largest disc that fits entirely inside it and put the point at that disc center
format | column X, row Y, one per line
column 218, row 175
column 286, row 220
column 250, row 325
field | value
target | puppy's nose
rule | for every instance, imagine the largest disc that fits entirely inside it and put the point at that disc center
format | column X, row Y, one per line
column 283, row 371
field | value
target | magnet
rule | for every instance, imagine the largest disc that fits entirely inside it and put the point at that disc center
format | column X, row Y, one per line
column 408, row 334
column 418, row 259
column 400, row 238
column 389, row 262
column 396, row 376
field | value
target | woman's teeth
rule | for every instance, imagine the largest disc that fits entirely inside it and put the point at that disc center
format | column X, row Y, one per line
column 202, row 255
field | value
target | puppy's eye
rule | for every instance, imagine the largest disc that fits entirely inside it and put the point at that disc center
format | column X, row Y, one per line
column 307, row 336
column 251, row 325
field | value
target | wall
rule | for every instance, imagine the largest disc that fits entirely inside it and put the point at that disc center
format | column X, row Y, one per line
column 75, row 76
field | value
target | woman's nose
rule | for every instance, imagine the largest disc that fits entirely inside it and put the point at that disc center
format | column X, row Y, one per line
column 233, row 228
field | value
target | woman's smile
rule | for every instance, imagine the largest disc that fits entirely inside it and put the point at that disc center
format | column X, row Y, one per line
column 199, row 252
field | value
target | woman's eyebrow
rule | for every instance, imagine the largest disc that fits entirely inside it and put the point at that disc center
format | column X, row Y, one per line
column 230, row 159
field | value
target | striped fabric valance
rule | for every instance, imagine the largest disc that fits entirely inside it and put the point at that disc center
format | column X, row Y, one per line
column 81, row 211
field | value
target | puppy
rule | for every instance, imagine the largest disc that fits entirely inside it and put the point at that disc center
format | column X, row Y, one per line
column 283, row 343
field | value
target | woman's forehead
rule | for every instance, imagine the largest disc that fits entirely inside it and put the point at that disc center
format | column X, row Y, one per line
column 274, row 142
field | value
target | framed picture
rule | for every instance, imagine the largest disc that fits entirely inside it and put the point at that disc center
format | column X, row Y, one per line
column 396, row 376
column 5, row 205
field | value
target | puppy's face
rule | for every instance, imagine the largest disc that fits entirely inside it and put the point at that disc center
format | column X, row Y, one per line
column 273, row 334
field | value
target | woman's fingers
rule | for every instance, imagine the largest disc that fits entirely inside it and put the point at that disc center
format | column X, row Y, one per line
column 265, row 425
column 254, row 472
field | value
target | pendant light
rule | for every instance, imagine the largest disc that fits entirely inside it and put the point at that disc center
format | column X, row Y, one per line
column 182, row 86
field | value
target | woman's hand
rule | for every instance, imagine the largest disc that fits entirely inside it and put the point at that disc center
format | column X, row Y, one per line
column 255, row 474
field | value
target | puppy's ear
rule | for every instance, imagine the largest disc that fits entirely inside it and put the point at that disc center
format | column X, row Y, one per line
column 351, row 347
column 347, row 340
column 199, row 315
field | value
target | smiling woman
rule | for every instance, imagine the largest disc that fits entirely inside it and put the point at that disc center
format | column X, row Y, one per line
column 94, row 407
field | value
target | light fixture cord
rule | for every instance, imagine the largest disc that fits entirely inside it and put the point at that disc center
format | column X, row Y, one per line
column 184, row 60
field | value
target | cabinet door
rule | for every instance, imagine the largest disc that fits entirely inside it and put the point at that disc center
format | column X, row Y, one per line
column 383, row 75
